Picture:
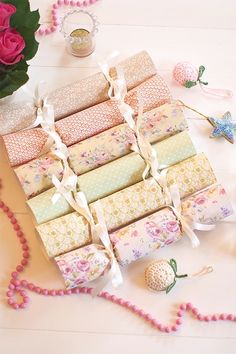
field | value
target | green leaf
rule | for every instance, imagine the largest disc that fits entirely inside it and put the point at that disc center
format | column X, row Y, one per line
column 22, row 65
column 190, row 84
column 29, row 20
column 201, row 71
column 173, row 265
column 11, row 81
column 168, row 289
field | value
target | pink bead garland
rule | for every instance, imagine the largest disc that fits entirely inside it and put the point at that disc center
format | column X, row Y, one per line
column 55, row 20
column 17, row 286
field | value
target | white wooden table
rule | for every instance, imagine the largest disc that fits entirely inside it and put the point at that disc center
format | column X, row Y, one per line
column 203, row 33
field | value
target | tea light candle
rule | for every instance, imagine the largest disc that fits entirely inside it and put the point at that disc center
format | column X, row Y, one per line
column 80, row 42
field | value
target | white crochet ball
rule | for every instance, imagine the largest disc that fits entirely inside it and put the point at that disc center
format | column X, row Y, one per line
column 159, row 275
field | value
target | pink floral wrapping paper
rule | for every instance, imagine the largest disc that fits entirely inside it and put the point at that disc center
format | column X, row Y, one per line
column 140, row 238
column 208, row 206
column 87, row 123
column 159, row 123
column 77, row 96
column 146, row 235
column 82, row 265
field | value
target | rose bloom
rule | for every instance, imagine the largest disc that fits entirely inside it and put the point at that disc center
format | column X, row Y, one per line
column 6, row 10
column 11, row 47
column 172, row 226
column 83, row 265
column 200, row 200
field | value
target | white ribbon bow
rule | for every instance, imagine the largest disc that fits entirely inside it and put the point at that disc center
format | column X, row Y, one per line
column 187, row 224
column 100, row 233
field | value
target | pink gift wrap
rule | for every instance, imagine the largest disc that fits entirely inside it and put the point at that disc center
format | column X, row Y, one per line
column 208, row 206
column 157, row 124
column 77, row 96
column 26, row 145
column 145, row 236
column 83, row 265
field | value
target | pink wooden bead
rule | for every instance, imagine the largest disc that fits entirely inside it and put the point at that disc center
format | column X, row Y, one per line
column 179, row 313
column 16, row 227
column 167, row 329
column 178, row 321
column 22, row 240
column 72, row 3
column 53, row 28
column 24, row 262
column 13, row 220
column 222, row 316
column 26, row 254
column 15, row 306
column 55, row 6
column 68, row 292
column 25, row 247
column 9, row 214
column 85, row 3
column 230, row 317
column 26, row 299
column 11, row 286
column 183, row 307
column 14, row 274
column 56, row 23
column 19, row 268
column 10, row 301
column 37, row 290
column 60, row 2
column 45, row 292
column 52, row 292
column 10, row 293
column 47, row 31
column 195, row 311
column 19, row 233
column 1, row 204
column 214, row 317
column 66, row 2
column 189, row 306
column 23, row 305
column 207, row 318
column 54, row 12
column 5, row 208
column 78, row 4
column 174, row 328
column 24, row 283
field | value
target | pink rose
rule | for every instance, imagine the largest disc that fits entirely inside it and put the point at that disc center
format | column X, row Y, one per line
column 200, row 200
column 172, row 226
column 11, row 46
column 6, row 10
column 83, row 265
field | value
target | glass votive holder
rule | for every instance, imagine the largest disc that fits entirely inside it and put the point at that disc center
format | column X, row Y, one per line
column 80, row 39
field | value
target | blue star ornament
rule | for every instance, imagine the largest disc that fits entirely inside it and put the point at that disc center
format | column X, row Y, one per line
column 224, row 126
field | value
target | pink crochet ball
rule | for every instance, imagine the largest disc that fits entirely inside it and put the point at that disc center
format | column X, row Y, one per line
column 184, row 72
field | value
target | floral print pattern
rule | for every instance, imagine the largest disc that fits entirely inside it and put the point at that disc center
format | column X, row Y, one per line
column 83, row 265
column 159, row 123
column 146, row 235
column 208, row 206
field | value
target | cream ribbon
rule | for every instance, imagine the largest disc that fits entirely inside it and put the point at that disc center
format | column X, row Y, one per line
column 117, row 92
column 100, row 233
column 188, row 225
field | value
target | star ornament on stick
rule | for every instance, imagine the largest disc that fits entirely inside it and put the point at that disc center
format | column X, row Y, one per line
column 224, row 126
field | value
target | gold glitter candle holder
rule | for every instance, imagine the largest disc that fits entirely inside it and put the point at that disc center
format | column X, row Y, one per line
column 80, row 40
